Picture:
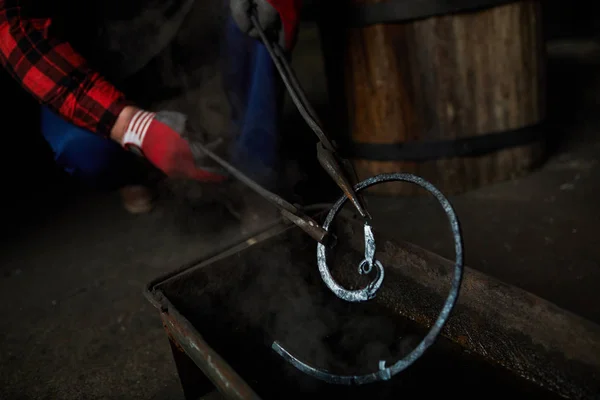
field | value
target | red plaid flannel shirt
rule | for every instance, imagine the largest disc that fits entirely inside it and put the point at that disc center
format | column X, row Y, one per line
column 54, row 73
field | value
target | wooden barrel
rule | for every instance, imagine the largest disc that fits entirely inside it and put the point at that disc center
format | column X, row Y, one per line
column 457, row 98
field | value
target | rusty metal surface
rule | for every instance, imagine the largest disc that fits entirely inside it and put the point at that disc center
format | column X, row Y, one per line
column 193, row 381
column 157, row 298
column 185, row 339
column 235, row 295
column 209, row 361
column 518, row 330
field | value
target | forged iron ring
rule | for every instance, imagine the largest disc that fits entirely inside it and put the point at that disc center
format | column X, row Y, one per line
column 385, row 373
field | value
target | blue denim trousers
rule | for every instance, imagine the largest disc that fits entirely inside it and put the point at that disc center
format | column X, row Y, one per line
column 255, row 95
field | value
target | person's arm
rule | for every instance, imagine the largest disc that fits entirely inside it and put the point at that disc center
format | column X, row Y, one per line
column 57, row 76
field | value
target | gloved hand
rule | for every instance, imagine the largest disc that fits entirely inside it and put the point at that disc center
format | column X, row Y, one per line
column 278, row 18
column 157, row 137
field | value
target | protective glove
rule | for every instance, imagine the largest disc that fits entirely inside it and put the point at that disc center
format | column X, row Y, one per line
column 278, row 18
column 156, row 136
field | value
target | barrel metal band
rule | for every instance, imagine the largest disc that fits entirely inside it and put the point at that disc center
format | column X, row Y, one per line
column 394, row 11
column 471, row 146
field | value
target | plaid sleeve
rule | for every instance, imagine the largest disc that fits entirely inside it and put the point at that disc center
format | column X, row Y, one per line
column 54, row 73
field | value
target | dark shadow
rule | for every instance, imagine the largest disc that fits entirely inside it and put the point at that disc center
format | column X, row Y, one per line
column 33, row 185
column 299, row 146
column 562, row 20
column 568, row 85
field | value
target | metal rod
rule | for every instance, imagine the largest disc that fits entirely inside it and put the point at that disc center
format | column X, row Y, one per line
column 199, row 149
column 288, row 210
column 286, row 74
column 329, row 161
column 224, row 377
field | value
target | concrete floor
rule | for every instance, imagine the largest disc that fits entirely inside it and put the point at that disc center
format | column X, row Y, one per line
column 76, row 325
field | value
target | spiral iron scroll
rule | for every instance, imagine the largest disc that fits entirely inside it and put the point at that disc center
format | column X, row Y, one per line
column 367, row 293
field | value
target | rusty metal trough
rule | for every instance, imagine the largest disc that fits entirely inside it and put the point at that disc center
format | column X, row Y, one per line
column 222, row 314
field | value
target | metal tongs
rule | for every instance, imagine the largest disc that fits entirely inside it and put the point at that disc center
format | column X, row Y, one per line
column 338, row 168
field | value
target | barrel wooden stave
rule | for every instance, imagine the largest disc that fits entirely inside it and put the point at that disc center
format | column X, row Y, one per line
column 444, row 78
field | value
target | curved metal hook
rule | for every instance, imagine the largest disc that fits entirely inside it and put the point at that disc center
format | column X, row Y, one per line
column 385, row 373
column 365, row 267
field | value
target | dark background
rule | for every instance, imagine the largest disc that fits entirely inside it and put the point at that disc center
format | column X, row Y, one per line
column 77, row 326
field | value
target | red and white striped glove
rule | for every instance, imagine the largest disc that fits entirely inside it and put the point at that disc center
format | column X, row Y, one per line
column 157, row 137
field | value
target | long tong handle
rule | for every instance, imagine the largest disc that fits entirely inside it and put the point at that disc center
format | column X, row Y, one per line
column 288, row 210
column 326, row 150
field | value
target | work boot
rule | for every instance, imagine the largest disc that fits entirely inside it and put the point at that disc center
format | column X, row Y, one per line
column 138, row 199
